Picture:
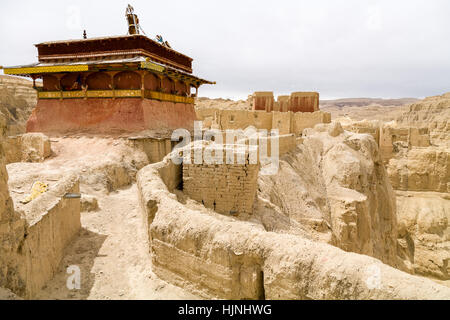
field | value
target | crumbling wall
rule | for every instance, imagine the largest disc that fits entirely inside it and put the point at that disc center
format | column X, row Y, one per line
column 368, row 127
column 241, row 119
column 393, row 139
column 52, row 222
column 422, row 169
column 155, row 149
column 304, row 102
column 219, row 257
column 303, row 120
column 29, row 147
column 263, row 100
column 296, row 102
column 226, row 188
column 283, row 103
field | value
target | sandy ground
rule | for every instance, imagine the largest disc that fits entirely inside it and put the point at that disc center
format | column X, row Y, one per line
column 112, row 248
column 112, row 254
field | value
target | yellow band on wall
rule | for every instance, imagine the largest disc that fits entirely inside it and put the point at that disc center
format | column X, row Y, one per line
column 49, row 69
column 154, row 95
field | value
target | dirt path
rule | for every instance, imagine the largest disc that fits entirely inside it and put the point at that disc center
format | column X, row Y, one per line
column 112, row 254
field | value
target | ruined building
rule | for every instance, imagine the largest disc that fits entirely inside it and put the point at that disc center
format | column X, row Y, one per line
column 113, row 84
column 296, row 102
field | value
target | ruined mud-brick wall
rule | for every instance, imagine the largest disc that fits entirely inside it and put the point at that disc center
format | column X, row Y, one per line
column 226, row 188
column 296, row 102
column 155, row 148
column 28, row 147
column 391, row 138
column 263, row 101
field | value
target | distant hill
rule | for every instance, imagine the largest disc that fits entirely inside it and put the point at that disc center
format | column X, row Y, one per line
column 362, row 102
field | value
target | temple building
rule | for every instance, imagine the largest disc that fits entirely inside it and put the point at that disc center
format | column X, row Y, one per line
column 113, row 84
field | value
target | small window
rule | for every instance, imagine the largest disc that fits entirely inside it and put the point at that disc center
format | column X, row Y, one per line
column 231, row 118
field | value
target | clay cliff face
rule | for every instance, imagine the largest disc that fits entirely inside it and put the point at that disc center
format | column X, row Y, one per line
column 415, row 150
column 424, row 233
column 422, row 177
column 12, row 227
column 421, row 169
column 432, row 113
column 17, row 100
column 334, row 188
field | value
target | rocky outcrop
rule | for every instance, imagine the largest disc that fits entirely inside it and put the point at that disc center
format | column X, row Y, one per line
column 415, row 149
column 433, row 113
column 421, row 169
column 334, row 188
column 424, row 233
column 17, row 100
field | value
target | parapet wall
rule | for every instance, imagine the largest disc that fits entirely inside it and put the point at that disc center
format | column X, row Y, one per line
column 390, row 137
column 226, row 188
column 29, row 147
column 408, row 136
column 52, row 222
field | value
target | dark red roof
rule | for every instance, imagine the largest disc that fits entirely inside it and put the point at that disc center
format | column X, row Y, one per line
column 130, row 45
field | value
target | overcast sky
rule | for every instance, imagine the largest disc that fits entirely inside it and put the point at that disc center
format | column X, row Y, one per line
column 341, row 48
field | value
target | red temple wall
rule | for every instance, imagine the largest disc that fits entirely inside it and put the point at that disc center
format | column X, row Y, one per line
column 169, row 115
column 109, row 116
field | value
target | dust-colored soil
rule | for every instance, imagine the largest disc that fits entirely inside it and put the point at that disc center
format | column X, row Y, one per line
column 112, row 248
column 112, row 254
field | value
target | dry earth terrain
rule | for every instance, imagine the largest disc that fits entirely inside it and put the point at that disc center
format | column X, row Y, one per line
column 359, row 209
